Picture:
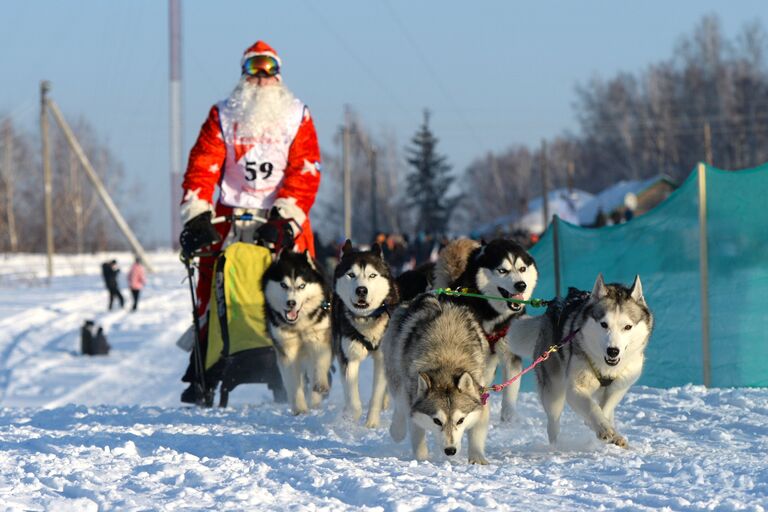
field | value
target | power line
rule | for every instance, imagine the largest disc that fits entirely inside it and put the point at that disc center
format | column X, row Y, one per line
column 20, row 109
column 360, row 61
column 430, row 70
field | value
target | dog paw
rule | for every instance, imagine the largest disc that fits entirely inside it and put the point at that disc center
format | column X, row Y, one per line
column 507, row 415
column 299, row 410
column 323, row 389
column 352, row 413
column 478, row 459
column 609, row 435
column 620, row 441
column 397, row 431
column 606, row 434
column 374, row 419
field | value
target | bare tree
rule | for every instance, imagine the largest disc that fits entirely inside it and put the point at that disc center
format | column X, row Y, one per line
column 80, row 220
column 373, row 159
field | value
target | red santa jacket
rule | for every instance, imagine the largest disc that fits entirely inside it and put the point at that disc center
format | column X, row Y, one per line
column 255, row 172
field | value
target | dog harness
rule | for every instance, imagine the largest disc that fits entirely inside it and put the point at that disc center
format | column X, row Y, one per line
column 367, row 344
column 376, row 313
column 604, row 381
column 495, row 336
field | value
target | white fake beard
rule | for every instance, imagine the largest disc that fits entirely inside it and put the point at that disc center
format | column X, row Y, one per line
column 260, row 110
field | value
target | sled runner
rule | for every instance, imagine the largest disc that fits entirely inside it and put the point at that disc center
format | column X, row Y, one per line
column 238, row 349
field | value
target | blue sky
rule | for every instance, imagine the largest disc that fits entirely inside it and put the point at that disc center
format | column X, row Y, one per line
column 493, row 73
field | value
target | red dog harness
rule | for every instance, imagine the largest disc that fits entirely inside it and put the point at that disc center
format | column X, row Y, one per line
column 496, row 336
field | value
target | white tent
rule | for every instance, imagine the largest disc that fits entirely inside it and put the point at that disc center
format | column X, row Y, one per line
column 563, row 203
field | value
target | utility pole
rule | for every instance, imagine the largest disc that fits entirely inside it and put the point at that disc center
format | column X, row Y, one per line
column 77, row 200
column 174, row 7
column 347, row 176
column 707, row 143
column 497, row 182
column 370, row 151
column 544, row 185
column 45, row 86
column 374, row 191
column 97, row 183
column 391, row 186
column 8, row 171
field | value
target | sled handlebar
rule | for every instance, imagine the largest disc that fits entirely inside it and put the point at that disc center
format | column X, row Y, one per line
column 244, row 216
column 227, row 218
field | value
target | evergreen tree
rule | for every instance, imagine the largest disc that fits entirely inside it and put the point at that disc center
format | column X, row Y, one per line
column 429, row 181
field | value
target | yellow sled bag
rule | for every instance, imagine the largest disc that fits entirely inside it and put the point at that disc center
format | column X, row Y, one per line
column 239, row 348
column 237, row 318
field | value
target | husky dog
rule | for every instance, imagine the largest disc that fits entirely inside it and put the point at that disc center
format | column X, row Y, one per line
column 500, row 268
column 436, row 354
column 297, row 303
column 364, row 294
column 604, row 358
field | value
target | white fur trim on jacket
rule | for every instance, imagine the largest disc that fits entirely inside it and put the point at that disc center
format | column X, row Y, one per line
column 193, row 208
column 288, row 209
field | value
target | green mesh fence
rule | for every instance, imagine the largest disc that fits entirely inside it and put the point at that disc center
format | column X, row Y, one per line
column 662, row 246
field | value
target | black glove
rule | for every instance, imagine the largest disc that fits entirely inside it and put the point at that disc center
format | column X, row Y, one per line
column 276, row 234
column 198, row 233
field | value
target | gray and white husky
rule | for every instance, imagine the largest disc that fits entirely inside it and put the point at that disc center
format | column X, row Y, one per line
column 500, row 268
column 436, row 355
column 605, row 357
column 364, row 294
column 298, row 321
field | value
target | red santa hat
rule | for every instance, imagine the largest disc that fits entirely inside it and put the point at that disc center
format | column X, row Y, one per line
column 260, row 48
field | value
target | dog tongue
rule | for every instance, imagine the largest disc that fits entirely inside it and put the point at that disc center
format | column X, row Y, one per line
column 292, row 314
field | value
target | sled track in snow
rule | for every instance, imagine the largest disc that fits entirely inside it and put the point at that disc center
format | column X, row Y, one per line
column 40, row 347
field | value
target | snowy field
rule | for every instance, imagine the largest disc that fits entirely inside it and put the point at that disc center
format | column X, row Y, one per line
column 108, row 433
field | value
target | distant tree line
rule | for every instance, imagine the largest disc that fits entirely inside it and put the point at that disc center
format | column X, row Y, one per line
column 639, row 125
column 631, row 126
column 80, row 221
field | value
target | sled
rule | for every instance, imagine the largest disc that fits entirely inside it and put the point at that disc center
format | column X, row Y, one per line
column 239, row 349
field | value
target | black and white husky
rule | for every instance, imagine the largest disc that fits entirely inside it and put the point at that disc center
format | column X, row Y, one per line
column 501, row 269
column 364, row 294
column 298, row 321
column 609, row 330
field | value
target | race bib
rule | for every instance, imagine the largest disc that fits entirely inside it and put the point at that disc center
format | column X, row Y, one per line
column 255, row 165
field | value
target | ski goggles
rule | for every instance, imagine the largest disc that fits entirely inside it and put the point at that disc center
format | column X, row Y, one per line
column 261, row 65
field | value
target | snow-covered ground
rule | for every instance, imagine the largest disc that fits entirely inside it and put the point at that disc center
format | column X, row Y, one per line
column 108, row 433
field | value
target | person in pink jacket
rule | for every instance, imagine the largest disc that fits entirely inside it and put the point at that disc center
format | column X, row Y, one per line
column 136, row 280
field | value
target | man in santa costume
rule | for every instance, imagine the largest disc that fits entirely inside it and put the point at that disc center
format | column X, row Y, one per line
column 259, row 147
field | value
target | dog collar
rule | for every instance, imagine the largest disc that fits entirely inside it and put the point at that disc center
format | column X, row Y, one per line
column 379, row 311
column 604, row 381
